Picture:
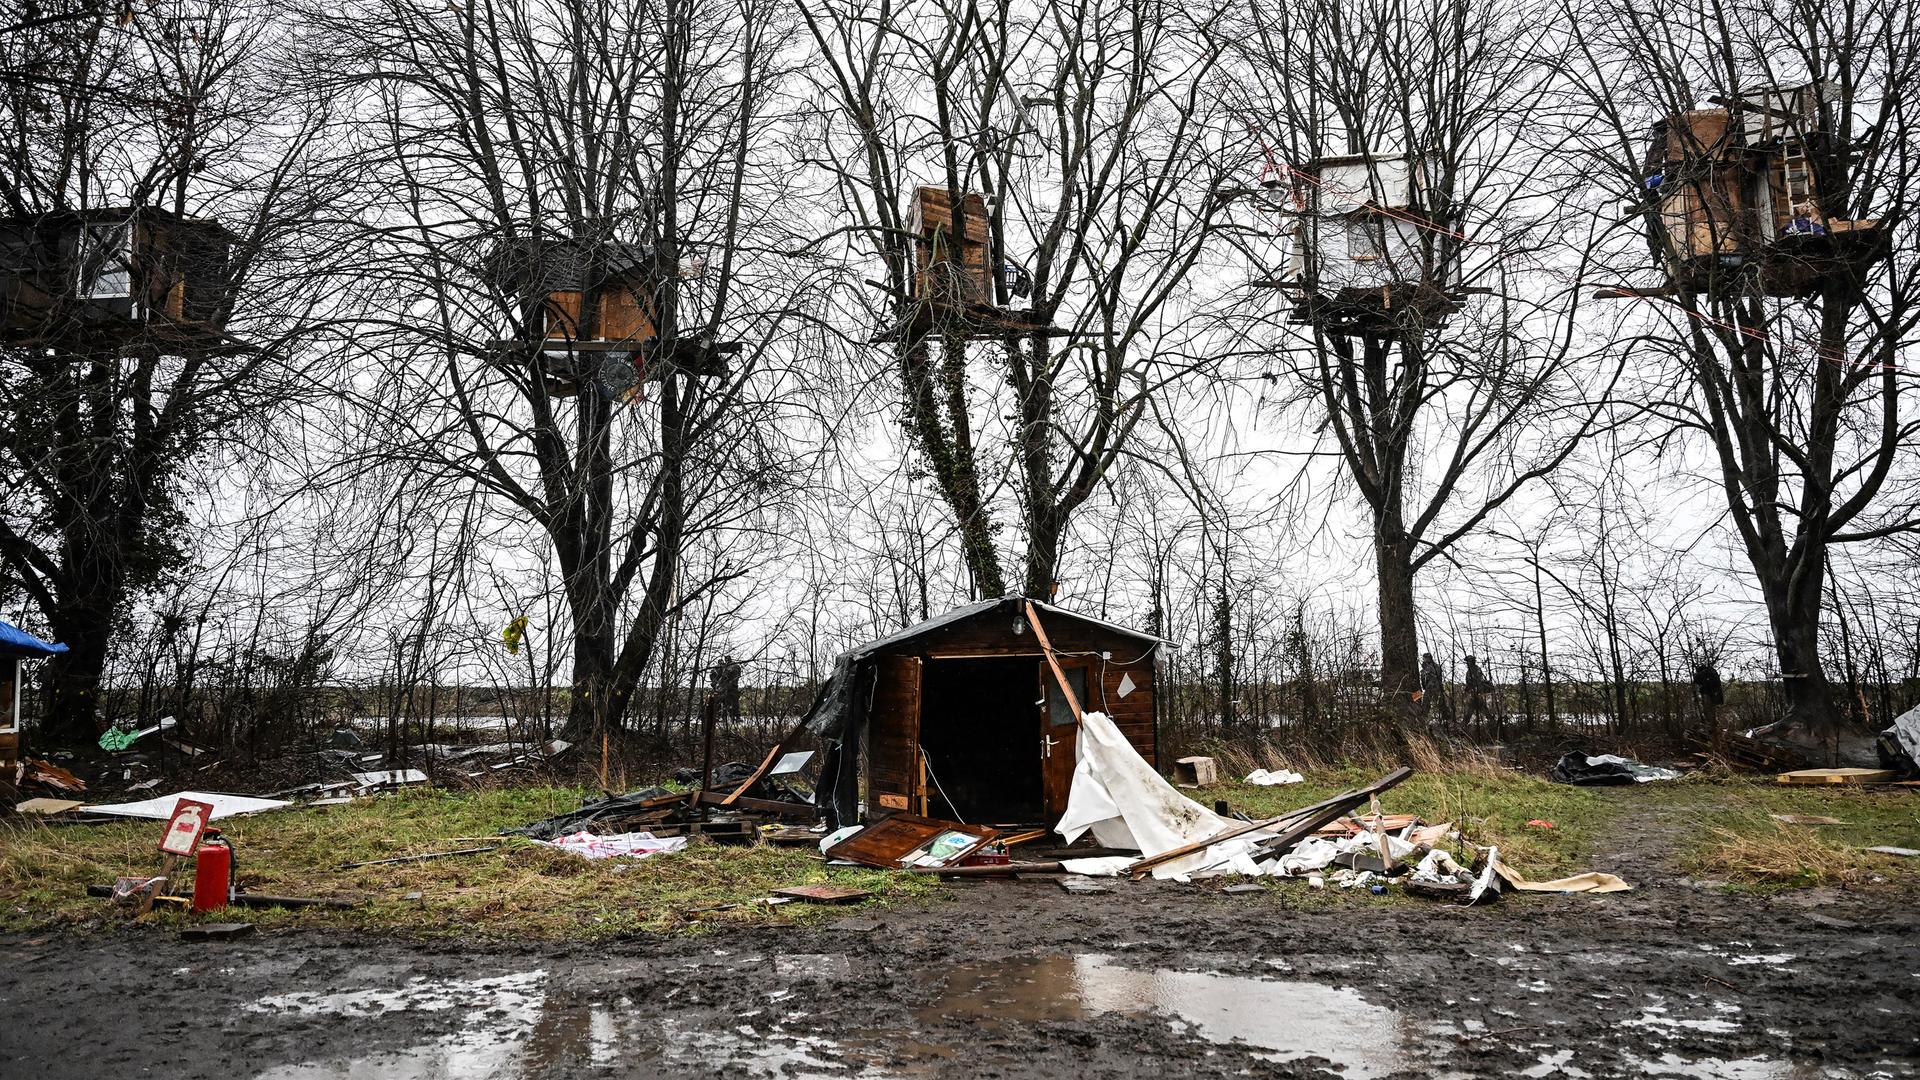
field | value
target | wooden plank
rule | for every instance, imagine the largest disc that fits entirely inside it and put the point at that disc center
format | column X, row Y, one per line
column 1838, row 776
column 1059, row 676
column 766, row 763
column 1316, row 814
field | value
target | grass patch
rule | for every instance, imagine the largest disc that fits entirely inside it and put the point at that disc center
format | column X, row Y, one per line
column 1489, row 807
column 1738, row 840
column 520, row 891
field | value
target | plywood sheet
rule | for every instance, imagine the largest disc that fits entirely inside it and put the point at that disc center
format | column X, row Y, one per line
column 1838, row 776
column 904, row 840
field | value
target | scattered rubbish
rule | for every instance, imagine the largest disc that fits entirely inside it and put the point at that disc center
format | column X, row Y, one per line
column 1597, row 769
column 47, row 806
column 1196, row 772
column 117, row 738
column 390, row 778
column 418, row 858
column 1588, row 882
column 1806, row 819
column 1275, row 777
column 905, row 841
column 824, row 894
column 618, row 845
column 219, row 931
column 239, row 899
column 1082, row 886
column 161, row 807
column 1899, row 744
column 790, row 764
column 1242, row 890
column 1838, row 776
column 1539, row 824
column 46, row 774
column 1903, row 852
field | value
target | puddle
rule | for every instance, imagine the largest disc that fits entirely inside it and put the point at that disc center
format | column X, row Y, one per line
column 1755, row 1068
column 1281, row 1020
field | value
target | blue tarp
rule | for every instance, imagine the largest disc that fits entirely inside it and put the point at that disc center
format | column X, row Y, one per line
column 17, row 642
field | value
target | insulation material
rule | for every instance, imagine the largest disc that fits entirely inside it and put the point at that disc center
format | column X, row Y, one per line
column 636, row 844
column 161, row 807
column 1128, row 805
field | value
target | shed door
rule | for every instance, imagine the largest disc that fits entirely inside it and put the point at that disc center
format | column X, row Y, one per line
column 893, row 729
column 1059, row 734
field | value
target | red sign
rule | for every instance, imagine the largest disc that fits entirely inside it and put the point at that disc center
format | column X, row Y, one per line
column 189, row 820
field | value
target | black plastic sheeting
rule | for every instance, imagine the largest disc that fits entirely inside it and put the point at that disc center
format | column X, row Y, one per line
column 1591, row 770
column 612, row 807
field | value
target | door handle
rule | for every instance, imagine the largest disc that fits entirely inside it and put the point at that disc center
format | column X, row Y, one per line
column 1047, row 743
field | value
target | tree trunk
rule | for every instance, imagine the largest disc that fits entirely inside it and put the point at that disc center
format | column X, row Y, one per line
column 1793, row 609
column 72, row 682
column 1399, row 642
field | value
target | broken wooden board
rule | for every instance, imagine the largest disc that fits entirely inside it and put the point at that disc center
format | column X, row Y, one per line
column 47, row 806
column 218, row 931
column 824, row 894
column 1838, row 776
column 907, row 841
column 1903, row 852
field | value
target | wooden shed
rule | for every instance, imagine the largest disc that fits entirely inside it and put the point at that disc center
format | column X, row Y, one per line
column 114, row 278
column 960, row 717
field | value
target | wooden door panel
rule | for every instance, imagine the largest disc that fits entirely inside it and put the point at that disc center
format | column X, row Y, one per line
column 1059, row 734
column 893, row 728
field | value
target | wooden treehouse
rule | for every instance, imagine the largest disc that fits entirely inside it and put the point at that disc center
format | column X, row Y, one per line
column 1737, row 200
column 954, row 273
column 1367, row 258
column 115, row 281
column 587, row 312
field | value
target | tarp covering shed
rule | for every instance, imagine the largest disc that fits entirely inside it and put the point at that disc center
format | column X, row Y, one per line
column 17, row 642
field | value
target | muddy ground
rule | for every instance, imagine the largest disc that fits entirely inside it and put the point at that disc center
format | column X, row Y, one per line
column 1021, row 979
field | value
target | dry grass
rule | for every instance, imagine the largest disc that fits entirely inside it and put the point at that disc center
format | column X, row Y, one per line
column 1738, row 839
column 520, row 890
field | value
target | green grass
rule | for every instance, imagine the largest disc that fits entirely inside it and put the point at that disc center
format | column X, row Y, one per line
column 1489, row 807
column 520, row 891
column 1736, row 839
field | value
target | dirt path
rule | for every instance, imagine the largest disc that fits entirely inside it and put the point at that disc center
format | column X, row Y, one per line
column 1019, row 979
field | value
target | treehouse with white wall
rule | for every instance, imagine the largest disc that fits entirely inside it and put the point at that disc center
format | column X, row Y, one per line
column 1368, row 252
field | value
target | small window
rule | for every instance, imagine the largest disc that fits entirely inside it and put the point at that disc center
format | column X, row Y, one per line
column 106, row 270
column 1058, row 712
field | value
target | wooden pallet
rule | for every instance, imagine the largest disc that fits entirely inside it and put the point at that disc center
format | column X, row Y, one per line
column 1838, row 776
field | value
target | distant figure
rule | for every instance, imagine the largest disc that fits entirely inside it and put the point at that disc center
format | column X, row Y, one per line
column 1433, row 690
column 1479, row 688
column 726, row 688
column 1706, row 684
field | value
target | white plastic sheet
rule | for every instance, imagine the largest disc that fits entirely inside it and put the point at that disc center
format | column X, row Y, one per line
column 160, row 807
column 637, row 844
column 1126, row 804
column 1271, row 777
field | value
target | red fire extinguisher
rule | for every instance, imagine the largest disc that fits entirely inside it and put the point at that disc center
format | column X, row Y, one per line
column 213, row 872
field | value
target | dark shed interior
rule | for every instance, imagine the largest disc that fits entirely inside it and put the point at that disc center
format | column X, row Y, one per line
column 960, row 716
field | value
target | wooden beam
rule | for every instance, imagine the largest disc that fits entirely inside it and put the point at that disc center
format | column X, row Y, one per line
column 1059, row 675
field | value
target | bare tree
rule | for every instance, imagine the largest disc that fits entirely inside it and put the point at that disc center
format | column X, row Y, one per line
column 1770, row 155
column 151, row 312
column 569, row 213
column 1427, row 333
column 1085, row 133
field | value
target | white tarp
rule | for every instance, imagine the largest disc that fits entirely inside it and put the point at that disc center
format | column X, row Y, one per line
column 1906, row 728
column 637, row 844
column 1128, row 805
column 161, row 807
column 1272, row 777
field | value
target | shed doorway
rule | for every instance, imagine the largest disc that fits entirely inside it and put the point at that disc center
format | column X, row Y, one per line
column 980, row 729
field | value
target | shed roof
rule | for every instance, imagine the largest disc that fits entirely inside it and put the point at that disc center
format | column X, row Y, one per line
column 17, row 642
column 1010, row 604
